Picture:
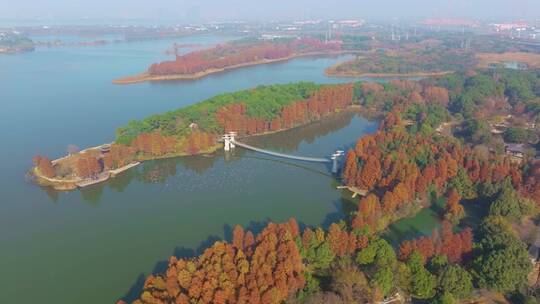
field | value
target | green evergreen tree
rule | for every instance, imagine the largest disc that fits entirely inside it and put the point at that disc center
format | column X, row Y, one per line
column 384, row 279
column 457, row 281
column 501, row 260
column 378, row 251
column 463, row 184
column 510, row 204
column 423, row 283
column 444, row 298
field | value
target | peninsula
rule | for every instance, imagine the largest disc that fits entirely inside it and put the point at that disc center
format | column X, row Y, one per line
column 404, row 63
column 195, row 130
column 235, row 55
column 11, row 43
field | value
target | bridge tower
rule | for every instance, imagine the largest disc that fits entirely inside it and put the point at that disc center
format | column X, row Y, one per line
column 335, row 160
column 232, row 135
column 226, row 142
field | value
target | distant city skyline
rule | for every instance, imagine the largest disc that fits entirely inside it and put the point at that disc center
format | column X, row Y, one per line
column 214, row 10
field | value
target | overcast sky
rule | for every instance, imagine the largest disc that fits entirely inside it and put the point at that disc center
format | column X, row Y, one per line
column 223, row 10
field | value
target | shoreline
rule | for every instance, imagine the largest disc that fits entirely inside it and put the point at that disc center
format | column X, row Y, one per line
column 79, row 183
column 331, row 71
column 145, row 76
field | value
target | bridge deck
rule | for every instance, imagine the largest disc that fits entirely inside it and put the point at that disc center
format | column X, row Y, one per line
column 302, row 158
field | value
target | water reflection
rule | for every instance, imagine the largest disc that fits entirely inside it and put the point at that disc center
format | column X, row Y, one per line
column 120, row 182
column 299, row 165
column 51, row 193
column 290, row 140
column 92, row 194
column 156, row 171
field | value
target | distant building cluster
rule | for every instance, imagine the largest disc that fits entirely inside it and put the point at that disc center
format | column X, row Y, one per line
column 14, row 42
column 348, row 23
column 451, row 22
column 517, row 29
column 509, row 26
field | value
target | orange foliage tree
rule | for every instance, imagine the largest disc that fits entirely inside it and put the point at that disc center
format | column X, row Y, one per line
column 44, row 166
column 455, row 246
column 154, row 144
column 454, row 210
column 327, row 100
column 398, row 167
column 266, row 269
column 227, row 55
column 87, row 165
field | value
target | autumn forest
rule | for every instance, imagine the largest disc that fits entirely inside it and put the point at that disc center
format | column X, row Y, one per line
column 422, row 153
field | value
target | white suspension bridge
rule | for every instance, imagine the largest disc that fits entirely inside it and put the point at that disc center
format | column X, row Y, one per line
column 230, row 143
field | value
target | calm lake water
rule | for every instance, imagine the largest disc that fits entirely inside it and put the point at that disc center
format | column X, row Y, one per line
column 98, row 244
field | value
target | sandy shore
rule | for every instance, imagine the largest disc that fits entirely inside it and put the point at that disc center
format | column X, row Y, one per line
column 148, row 77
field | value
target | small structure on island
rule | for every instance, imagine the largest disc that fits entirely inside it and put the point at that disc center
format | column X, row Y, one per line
column 516, row 151
column 496, row 131
column 407, row 122
column 104, row 149
column 193, row 126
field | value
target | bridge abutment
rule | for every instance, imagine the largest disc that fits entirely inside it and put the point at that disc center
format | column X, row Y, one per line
column 232, row 135
column 226, row 143
column 335, row 161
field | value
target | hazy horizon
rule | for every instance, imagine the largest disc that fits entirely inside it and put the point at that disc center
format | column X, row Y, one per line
column 213, row 10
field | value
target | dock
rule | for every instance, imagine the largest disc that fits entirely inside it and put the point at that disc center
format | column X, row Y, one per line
column 105, row 175
column 124, row 168
column 94, row 180
column 355, row 190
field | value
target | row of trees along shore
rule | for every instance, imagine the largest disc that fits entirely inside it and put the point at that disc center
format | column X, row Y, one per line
column 405, row 166
column 434, row 60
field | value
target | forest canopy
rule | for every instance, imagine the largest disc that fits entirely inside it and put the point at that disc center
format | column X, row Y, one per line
column 263, row 102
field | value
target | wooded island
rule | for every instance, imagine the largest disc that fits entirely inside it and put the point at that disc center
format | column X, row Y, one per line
column 234, row 55
column 196, row 129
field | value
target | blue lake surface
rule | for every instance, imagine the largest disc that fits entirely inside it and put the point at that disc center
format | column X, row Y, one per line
column 96, row 245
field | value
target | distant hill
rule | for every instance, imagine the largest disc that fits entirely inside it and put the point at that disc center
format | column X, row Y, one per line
column 15, row 43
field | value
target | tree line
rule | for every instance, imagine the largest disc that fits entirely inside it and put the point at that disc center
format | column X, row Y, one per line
column 338, row 265
column 231, row 54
